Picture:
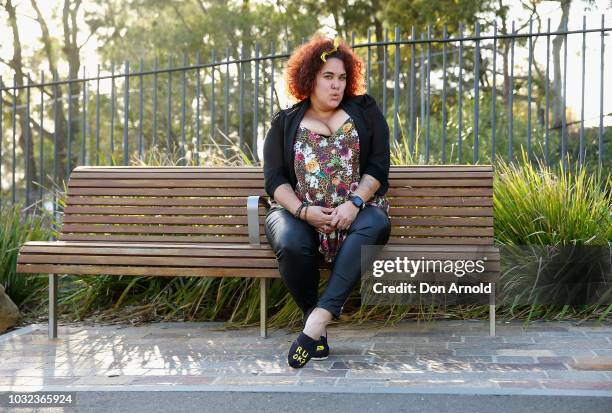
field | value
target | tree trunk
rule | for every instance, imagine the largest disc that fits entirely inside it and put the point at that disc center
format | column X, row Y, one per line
column 17, row 63
column 71, row 51
column 247, row 42
column 557, row 86
column 61, row 126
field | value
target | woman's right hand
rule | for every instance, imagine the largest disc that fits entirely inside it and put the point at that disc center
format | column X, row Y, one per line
column 320, row 218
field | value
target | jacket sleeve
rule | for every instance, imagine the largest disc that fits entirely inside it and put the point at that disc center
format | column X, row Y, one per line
column 379, row 159
column 273, row 153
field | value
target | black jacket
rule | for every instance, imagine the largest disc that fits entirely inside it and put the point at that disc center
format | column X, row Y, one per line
column 374, row 150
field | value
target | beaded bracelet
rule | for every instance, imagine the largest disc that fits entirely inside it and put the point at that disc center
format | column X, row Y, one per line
column 299, row 210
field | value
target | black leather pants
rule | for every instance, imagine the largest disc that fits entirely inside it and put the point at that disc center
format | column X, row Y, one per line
column 296, row 243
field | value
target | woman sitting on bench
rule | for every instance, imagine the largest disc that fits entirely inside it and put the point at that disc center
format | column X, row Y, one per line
column 326, row 168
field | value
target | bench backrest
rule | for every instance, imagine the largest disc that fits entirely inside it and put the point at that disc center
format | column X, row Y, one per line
column 429, row 204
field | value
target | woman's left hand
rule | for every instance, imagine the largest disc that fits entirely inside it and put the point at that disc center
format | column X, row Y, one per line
column 344, row 215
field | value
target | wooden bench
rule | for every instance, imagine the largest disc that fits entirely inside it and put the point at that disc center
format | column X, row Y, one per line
column 192, row 221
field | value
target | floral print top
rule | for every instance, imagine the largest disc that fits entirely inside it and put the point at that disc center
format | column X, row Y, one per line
column 327, row 170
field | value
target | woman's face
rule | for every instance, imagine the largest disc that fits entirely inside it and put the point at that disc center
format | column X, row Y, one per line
column 330, row 84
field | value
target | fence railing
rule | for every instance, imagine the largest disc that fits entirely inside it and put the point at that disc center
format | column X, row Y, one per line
column 448, row 99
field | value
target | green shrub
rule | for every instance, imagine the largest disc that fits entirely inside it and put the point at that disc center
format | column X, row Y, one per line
column 16, row 228
column 535, row 205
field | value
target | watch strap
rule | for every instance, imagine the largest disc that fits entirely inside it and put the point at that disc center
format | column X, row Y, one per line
column 353, row 196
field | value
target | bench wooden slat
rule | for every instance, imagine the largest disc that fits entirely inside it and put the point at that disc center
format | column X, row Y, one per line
column 130, row 219
column 159, row 238
column 178, row 229
column 241, row 211
column 452, row 212
column 440, row 240
column 146, row 210
column 173, row 272
column 147, row 245
column 241, row 201
column 161, row 252
column 247, row 248
column 397, row 174
column 437, row 221
column 50, row 254
column 238, row 211
column 166, row 183
column 465, row 240
column 219, row 262
column 240, row 169
column 447, row 182
column 153, row 201
column 168, row 271
column 443, row 256
column 440, row 202
column 110, row 182
column 209, row 192
column 444, row 231
column 432, row 192
column 479, row 249
column 167, row 175
column 148, row 271
column 182, row 262
column 237, row 169
column 154, row 220
column 203, row 192
column 155, row 229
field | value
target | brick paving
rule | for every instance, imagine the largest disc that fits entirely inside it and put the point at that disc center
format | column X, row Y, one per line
column 370, row 356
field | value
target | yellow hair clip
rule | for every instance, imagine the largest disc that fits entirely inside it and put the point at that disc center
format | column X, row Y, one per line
column 325, row 54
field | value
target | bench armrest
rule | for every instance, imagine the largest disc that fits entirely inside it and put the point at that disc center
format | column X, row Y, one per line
column 253, row 202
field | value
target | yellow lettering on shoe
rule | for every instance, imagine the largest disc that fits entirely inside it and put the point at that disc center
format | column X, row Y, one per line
column 301, row 355
column 320, row 348
column 300, row 360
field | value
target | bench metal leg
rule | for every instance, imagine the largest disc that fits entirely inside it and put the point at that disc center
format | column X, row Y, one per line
column 492, row 311
column 53, row 280
column 263, row 310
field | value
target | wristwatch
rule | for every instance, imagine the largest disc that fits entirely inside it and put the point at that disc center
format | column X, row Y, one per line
column 357, row 201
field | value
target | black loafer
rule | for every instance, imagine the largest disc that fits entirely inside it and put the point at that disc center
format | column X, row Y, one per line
column 301, row 351
column 321, row 350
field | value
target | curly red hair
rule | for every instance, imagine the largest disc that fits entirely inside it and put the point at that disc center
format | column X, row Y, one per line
column 305, row 63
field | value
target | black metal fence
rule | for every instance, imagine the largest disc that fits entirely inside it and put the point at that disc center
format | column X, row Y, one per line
column 448, row 99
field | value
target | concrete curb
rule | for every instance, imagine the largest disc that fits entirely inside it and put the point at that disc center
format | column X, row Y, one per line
column 313, row 389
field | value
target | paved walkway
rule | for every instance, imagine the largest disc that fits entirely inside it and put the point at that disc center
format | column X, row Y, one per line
column 442, row 357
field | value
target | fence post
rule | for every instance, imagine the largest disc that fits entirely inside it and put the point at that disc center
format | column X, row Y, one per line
column 476, row 91
column 1, row 136
column 396, row 90
column 126, row 113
